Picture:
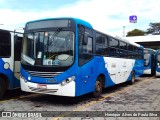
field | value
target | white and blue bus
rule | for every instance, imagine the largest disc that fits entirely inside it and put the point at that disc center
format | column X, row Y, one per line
column 149, row 61
column 10, row 56
column 157, row 57
column 67, row 57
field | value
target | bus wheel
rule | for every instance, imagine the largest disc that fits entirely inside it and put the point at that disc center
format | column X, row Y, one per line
column 132, row 78
column 2, row 88
column 98, row 88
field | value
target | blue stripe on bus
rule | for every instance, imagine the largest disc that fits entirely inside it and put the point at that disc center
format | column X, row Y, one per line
column 138, row 68
column 8, row 73
column 85, row 85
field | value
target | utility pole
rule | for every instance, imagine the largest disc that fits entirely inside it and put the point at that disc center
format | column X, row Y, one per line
column 123, row 31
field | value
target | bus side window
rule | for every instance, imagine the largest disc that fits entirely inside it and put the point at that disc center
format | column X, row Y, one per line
column 5, row 44
column 17, row 47
column 114, row 47
column 102, row 45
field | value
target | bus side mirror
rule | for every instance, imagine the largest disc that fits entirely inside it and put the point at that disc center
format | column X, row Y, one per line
column 81, row 29
column 86, row 38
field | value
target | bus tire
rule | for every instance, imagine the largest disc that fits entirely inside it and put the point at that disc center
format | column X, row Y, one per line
column 2, row 88
column 132, row 78
column 98, row 88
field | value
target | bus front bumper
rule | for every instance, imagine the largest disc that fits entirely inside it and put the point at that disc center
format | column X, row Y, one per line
column 52, row 89
column 147, row 71
column 157, row 73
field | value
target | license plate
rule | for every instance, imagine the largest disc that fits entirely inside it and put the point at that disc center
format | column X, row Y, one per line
column 42, row 86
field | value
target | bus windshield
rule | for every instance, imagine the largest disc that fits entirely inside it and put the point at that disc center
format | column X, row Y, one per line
column 54, row 48
column 147, row 56
column 158, row 56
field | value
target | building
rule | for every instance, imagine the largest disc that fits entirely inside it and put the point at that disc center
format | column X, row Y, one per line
column 149, row 41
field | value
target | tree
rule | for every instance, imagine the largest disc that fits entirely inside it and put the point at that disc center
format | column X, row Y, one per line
column 154, row 29
column 136, row 32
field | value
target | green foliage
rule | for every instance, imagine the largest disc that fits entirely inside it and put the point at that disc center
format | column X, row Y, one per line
column 136, row 32
column 154, row 29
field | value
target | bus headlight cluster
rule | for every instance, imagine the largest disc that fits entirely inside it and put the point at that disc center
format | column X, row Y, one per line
column 6, row 65
column 68, row 80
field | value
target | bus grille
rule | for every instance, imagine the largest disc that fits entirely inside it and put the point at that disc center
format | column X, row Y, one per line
column 43, row 74
column 41, row 90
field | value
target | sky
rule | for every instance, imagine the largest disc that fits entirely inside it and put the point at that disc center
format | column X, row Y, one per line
column 108, row 16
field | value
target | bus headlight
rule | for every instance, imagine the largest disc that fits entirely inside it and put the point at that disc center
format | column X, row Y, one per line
column 68, row 80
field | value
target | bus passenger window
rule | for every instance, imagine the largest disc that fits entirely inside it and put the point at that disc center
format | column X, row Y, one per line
column 5, row 44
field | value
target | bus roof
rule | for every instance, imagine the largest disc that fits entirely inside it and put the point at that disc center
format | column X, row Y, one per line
column 77, row 20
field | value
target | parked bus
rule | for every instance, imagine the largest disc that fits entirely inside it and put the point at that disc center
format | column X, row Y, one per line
column 149, row 61
column 67, row 57
column 10, row 56
column 157, row 57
